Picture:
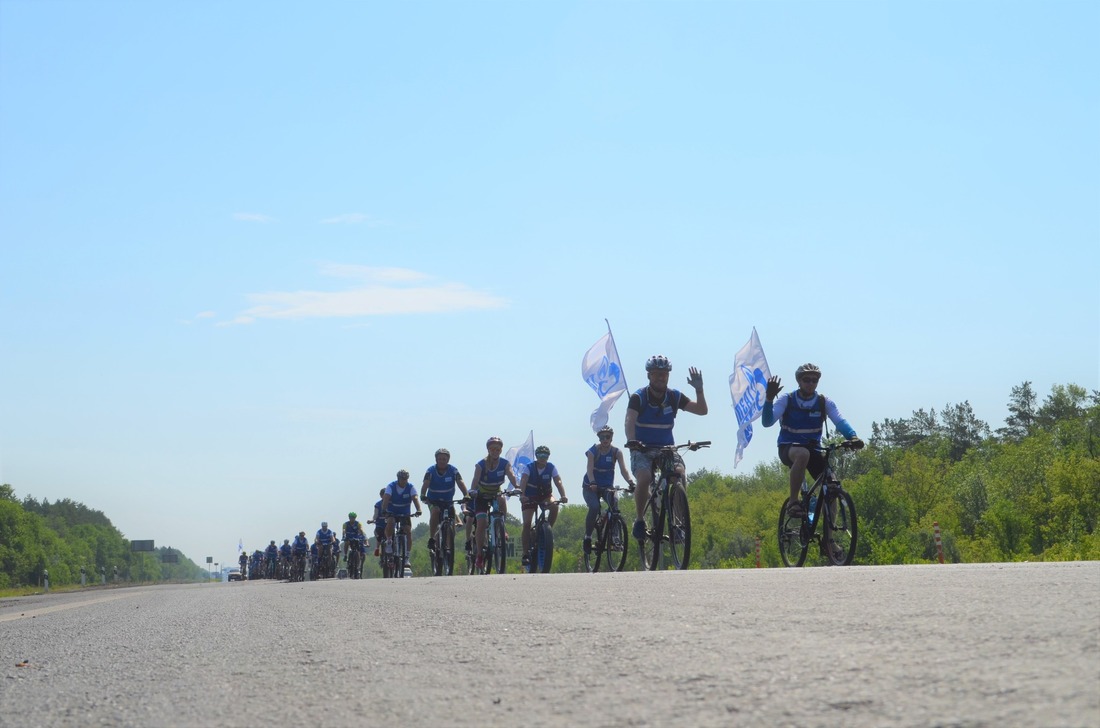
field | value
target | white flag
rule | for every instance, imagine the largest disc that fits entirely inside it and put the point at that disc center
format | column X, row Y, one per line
column 603, row 372
column 522, row 455
column 748, row 385
column 240, row 545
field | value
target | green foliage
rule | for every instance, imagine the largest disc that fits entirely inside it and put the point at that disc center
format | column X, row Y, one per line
column 62, row 537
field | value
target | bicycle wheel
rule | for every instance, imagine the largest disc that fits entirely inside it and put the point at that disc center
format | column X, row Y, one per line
column 447, row 556
column 592, row 556
column 399, row 555
column 544, row 549
column 500, row 545
column 839, row 528
column 679, row 526
column 650, row 546
column 792, row 548
column 616, row 543
column 353, row 562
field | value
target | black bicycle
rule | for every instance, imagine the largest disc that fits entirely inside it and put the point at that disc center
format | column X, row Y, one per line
column 353, row 552
column 825, row 504
column 442, row 556
column 610, row 543
column 667, row 506
column 540, row 543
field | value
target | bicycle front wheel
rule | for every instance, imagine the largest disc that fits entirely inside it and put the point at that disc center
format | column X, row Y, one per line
column 447, row 557
column 592, row 555
column 649, row 547
column 544, row 549
column 792, row 548
column 679, row 526
column 615, row 548
column 399, row 553
column 840, row 531
column 500, row 545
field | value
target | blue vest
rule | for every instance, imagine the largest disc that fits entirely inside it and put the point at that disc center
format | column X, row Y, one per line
column 802, row 422
column 653, row 427
column 491, row 480
column 353, row 529
column 301, row 544
column 379, row 516
column 441, row 487
column 538, row 484
column 326, row 536
column 603, row 467
column 400, row 498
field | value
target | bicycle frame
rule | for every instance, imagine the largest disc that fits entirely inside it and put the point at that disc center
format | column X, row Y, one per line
column 667, row 504
column 446, row 517
column 609, row 515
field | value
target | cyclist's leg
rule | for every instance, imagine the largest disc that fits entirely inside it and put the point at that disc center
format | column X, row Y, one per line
column 408, row 537
column 433, row 522
column 389, row 534
column 553, row 513
column 642, row 466
column 481, row 509
column 799, row 458
column 528, row 516
column 592, row 500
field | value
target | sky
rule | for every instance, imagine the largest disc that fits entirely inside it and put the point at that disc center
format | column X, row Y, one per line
column 257, row 257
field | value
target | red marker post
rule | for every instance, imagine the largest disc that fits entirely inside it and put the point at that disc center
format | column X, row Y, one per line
column 939, row 541
column 758, row 552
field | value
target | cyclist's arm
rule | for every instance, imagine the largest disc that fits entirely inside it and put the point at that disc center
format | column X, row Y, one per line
column 425, row 484
column 416, row 501
column 590, row 471
column 842, row 425
column 511, row 475
column 557, row 482
column 623, row 469
column 461, row 485
column 631, row 417
column 773, row 412
column 523, row 480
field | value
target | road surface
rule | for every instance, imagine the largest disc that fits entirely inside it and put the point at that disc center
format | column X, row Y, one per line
column 964, row 645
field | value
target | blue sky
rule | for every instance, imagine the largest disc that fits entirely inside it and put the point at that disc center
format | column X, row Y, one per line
column 257, row 257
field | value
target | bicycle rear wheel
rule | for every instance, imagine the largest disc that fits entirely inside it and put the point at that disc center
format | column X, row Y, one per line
column 353, row 562
column 839, row 528
column 615, row 548
column 544, row 549
column 679, row 526
column 399, row 552
column 792, row 549
column 650, row 546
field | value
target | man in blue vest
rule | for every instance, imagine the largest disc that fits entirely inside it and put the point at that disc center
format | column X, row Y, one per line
column 649, row 420
column 802, row 419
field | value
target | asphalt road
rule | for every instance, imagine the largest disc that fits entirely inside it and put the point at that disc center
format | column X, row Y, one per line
column 966, row 645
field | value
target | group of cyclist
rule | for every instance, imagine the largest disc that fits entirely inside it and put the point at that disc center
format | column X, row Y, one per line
column 650, row 418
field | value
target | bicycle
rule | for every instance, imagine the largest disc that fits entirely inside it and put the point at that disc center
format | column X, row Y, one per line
column 668, row 503
column 298, row 566
column 442, row 557
column 540, row 549
column 495, row 555
column 611, row 536
column 826, row 503
column 399, row 554
column 354, row 555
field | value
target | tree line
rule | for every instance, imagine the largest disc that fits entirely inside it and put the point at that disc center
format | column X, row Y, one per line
column 64, row 536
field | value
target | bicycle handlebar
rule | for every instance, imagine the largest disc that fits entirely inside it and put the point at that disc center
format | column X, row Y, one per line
column 639, row 447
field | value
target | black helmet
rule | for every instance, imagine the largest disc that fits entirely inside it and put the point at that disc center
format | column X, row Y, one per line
column 542, row 450
column 658, row 363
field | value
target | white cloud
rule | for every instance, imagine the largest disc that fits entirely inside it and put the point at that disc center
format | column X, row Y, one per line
column 354, row 218
column 252, row 217
column 381, row 292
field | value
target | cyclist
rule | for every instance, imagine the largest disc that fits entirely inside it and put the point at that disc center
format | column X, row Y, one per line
column 469, row 518
column 243, row 561
column 284, row 553
column 271, row 558
column 801, row 417
column 379, row 524
column 535, row 486
column 354, row 536
column 599, row 476
column 397, row 502
column 438, row 490
column 649, row 420
column 489, row 475
column 324, row 540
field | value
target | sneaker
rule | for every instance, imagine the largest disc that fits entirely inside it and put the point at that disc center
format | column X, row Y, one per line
column 377, row 552
column 639, row 530
column 588, row 545
column 480, row 564
column 469, row 546
column 526, row 560
column 407, row 564
column 431, row 544
column 389, row 547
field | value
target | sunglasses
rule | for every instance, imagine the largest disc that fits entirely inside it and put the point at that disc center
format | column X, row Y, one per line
column 605, row 437
column 811, row 379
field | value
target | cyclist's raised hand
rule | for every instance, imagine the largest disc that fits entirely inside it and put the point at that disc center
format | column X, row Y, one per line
column 774, row 388
column 695, row 378
column 855, row 444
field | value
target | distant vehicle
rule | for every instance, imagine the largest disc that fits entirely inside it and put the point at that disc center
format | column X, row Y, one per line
column 234, row 575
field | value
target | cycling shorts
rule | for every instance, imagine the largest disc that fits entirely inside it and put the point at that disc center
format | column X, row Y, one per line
column 484, row 504
column 816, row 466
column 642, row 460
column 441, row 504
column 535, row 496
